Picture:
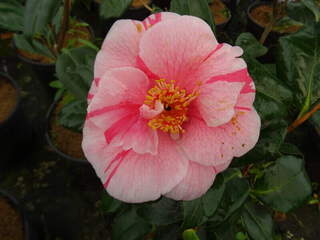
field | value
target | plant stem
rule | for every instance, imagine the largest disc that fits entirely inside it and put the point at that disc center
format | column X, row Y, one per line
column 64, row 25
column 269, row 27
column 305, row 117
column 146, row 5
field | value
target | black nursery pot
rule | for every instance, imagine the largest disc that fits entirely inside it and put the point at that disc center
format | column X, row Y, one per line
column 256, row 29
column 29, row 232
column 44, row 71
column 15, row 131
column 50, row 141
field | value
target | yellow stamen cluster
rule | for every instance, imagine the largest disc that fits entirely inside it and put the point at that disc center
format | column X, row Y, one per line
column 175, row 102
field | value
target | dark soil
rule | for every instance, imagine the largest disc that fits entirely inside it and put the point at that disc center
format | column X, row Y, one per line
column 219, row 11
column 8, row 99
column 11, row 227
column 66, row 140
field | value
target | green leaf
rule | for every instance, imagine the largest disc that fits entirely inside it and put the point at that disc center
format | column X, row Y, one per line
column 162, row 212
column 38, row 14
column 299, row 12
column 129, row 226
column 212, row 198
column 11, row 15
column 314, row 7
column 73, row 114
column 197, row 8
column 190, row 234
column 235, row 194
column 193, row 213
column 299, row 65
column 251, row 46
column 290, row 149
column 113, row 8
column 258, row 222
column 285, row 185
column 31, row 45
column 74, row 69
column 110, row 204
column 168, row 232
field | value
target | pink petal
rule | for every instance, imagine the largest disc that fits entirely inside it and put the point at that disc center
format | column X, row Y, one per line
column 121, row 90
column 158, row 17
column 94, row 146
column 180, row 54
column 144, row 177
column 198, row 180
column 242, row 132
column 217, row 100
column 205, row 145
column 222, row 61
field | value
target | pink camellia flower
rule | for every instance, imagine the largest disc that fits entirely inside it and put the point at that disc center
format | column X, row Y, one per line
column 169, row 108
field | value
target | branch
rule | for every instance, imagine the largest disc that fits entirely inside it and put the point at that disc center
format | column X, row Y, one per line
column 269, row 27
column 64, row 25
column 146, row 5
column 305, row 117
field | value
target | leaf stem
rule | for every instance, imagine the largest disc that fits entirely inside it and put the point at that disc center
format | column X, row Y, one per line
column 305, row 117
column 269, row 27
column 146, row 6
column 64, row 25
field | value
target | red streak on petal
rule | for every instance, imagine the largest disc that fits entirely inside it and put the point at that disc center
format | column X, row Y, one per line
column 97, row 81
column 220, row 45
column 142, row 66
column 242, row 108
column 157, row 18
column 118, row 158
column 110, row 108
column 120, row 126
column 238, row 76
column 90, row 96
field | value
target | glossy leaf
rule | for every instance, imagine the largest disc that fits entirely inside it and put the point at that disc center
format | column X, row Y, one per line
column 299, row 65
column 290, row 149
column 32, row 46
column 38, row 14
column 314, row 7
column 129, row 226
column 163, row 212
column 235, row 195
column 74, row 69
column 197, row 8
column 252, row 48
column 212, row 198
column 73, row 114
column 190, row 234
column 110, row 204
column 113, row 8
column 285, row 185
column 258, row 222
column 11, row 15
column 193, row 213
column 298, row 11
column 168, row 232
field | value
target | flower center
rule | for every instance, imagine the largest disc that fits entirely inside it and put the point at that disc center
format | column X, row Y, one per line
column 175, row 103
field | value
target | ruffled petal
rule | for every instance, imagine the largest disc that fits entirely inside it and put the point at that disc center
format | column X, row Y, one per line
column 143, row 177
column 115, row 110
column 180, row 54
column 197, row 181
column 242, row 131
column 217, row 100
column 222, row 60
column 205, row 145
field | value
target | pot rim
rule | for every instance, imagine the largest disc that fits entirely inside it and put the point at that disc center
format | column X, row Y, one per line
column 49, row 140
column 227, row 20
column 6, row 76
column 16, row 204
column 254, row 5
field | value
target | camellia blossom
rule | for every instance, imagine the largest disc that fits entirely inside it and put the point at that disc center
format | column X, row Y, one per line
column 169, row 107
